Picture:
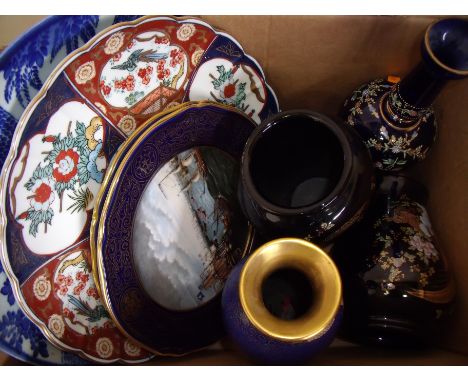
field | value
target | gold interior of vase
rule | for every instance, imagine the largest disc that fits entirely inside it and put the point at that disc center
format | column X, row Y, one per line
column 302, row 256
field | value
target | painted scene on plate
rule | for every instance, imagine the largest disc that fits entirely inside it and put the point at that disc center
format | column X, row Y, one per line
column 185, row 229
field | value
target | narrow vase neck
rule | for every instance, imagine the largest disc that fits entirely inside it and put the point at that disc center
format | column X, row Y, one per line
column 420, row 87
column 410, row 100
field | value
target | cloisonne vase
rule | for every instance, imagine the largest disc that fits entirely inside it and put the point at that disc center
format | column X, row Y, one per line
column 396, row 121
column 397, row 289
column 283, row 304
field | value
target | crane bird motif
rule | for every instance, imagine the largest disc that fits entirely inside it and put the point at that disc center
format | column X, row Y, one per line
column 139, row 56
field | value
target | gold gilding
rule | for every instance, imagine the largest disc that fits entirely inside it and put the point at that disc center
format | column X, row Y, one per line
column 108, row 178
column 108, row 188
column 315, row 264
column 384, row 101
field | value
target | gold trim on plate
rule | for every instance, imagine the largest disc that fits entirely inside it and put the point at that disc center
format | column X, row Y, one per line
column 108, row 177
column 116, row 170
column 7, row 167
column 13, row 153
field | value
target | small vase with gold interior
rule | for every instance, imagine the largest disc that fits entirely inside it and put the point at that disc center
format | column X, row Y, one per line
column 282, row 305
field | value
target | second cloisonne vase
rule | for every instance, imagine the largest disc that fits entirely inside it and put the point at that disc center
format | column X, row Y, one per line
column 396, row 121
column 396, row 285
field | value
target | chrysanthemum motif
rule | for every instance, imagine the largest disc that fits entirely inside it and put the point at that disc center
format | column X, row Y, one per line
column 41, row 288
column 104, row 347
column 185, row 32
column 114, row 43
column 85, row 72
column 43, row 194
column 56, row 325
column 196, row 56
column 127, row 124
column 397, row 147
column 132, row 349
column 66, row 165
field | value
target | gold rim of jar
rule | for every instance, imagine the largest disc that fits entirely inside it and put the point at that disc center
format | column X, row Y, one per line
column 306, row 258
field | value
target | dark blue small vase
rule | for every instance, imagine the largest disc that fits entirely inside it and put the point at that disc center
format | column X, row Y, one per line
column 283, row 304
column 396, row 121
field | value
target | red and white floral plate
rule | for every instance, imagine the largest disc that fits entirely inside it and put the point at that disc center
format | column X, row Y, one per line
column 63, row 143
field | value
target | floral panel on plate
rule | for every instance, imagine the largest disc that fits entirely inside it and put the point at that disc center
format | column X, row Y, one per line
column 139, row 70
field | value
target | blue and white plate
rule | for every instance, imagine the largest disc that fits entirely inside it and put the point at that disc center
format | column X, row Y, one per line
column 24, row 66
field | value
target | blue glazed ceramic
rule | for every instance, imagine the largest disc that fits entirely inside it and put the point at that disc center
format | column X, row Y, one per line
column 316, row 189
column 180, row 230
column 396, row 121
column 24, row 66
column 445, row 48
column 398, row 286
column 60, row 91
column 224, row 50
column 282, row 305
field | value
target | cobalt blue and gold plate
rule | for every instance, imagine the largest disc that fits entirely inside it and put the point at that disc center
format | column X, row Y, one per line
column 63, row 143
column 171, row 229
column 101, row 197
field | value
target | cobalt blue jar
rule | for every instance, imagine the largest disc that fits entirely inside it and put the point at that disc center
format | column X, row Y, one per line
column 304, row 175
column 283, row 304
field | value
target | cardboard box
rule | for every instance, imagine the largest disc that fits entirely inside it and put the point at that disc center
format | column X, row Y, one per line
column 315, row 62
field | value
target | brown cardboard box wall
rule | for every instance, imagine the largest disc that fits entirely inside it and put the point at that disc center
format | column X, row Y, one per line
column 315, row 62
